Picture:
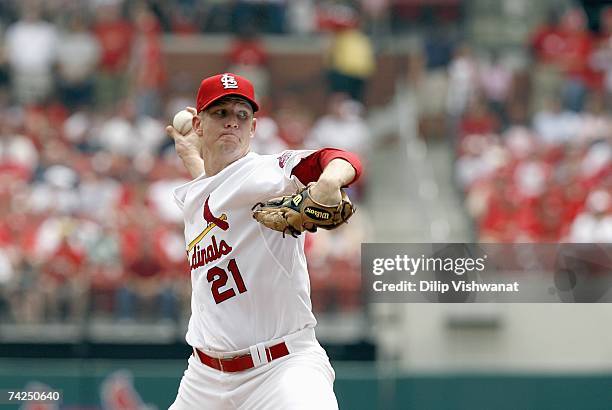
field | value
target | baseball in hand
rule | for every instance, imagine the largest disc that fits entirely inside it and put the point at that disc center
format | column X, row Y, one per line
column 182, row 122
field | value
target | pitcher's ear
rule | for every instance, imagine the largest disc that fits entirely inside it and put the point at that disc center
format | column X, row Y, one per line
column 253, row 127
column 196, row 124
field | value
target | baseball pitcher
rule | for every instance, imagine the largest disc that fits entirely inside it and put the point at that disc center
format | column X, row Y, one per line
column 251, row 325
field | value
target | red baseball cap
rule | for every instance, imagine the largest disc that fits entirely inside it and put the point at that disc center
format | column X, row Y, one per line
column 220, row 85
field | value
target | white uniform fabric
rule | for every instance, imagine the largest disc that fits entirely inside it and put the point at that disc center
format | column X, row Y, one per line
column 303, row 380
column 250, row 286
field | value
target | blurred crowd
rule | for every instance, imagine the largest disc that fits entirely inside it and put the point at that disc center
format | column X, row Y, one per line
column 302, row 17
column 89, row 229
column 532, row 128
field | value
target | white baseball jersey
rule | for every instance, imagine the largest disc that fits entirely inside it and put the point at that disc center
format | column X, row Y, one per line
column 249, row 284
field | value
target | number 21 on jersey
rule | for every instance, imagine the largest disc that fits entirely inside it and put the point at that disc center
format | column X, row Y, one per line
column 218, row 277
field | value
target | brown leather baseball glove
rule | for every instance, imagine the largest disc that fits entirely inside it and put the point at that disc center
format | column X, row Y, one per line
column 299, row 212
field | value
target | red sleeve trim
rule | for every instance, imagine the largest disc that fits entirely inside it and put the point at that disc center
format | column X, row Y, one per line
column 310, row 168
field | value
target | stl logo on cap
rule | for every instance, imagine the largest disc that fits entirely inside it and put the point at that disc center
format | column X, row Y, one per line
column 229, row 81
column 218, row 86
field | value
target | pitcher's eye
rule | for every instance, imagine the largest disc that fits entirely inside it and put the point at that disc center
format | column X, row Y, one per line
column 243, row 115
column 219, row 113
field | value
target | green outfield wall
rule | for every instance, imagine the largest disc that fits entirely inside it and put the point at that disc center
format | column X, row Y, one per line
column 96, row 384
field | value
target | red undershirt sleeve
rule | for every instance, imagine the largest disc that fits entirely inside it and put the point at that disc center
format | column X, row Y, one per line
column 310, row 168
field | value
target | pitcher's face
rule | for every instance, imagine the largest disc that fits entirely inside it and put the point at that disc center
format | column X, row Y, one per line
column 226, row 128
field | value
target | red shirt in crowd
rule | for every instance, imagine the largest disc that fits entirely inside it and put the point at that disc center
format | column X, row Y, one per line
column 248, row 52
column 569, row 46
column 115, row 39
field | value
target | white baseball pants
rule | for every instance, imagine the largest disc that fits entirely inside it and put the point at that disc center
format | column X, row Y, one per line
column 301, row 380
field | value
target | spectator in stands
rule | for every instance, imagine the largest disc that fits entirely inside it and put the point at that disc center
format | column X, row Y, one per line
column 99, row 195
column 55, row 190
column 342, row 127
column 294, row 120
column 429, row 78
column 555, row 125
column 131, row 135
column 248, row 57
column 65, row 284
column 77, row 129
column 31, row 49
column 115, row 35
column 496, row 82
column 463, row 81
column 595, row 121
column 18, row 154
column 574, row 198
column 100, row 241
column 601, row 59
column 517, row 115
column 430, row 87
column 545, row 44
column 267, row 138
column 480, row 156
column 596, row 163
column 334, row 269
column 77, row 58
column 144, row 294
column 146, row 66
column 575, row 59
column 160, row 189
column 563, row 53
column 531, row 176
column 497, row 223
column 175, row 294
column 478, row 118
column 594, row 225
column 350, row 59
column 542, row 218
